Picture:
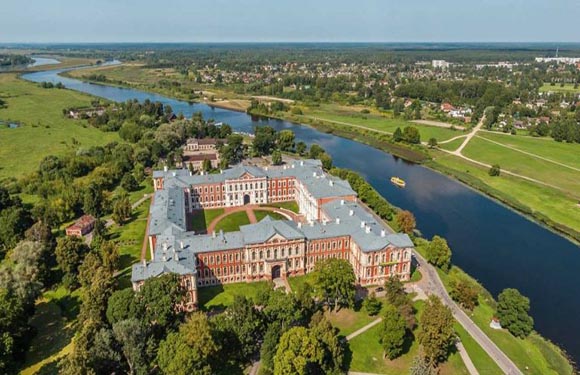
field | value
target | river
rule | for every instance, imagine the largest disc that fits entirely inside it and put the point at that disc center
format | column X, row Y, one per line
column 495, row 245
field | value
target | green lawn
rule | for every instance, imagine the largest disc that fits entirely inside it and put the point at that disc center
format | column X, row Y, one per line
column 201, row 219
column 562, row 152
column 517, row 162
column 481, row 360
column 297, row 281
column 348, row 320
column 233, row 222
column 453, row 145
column 44, row 131
column 274, row 215
column 552, row 203
column 567, row 88
column 367, row 354
column 290, row 205
column 221, row 296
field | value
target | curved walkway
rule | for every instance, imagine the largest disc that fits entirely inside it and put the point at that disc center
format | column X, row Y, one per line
column 249, row 209
column 432, row 284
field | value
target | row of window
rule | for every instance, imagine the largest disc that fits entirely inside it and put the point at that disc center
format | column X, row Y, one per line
column 327, row 245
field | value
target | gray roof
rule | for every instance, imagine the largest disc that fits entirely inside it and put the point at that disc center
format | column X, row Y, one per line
column 167, row 210
column 267, row 228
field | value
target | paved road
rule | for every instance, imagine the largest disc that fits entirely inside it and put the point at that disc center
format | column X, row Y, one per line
column 433, row 284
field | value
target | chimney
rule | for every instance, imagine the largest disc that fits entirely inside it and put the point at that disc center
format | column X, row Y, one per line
column 299, row 225
column 164, row 246
column 362, row 224
column 165, row 169
column 181, row 244
column 324, row 222
column 342, row 202
column 367, row 229
column 190, row 173
column 144, row 262
column 164, row 258
column 337, row 220
column 301, row 163
column 311, row 223
column 174, row 174
column 313, row 174
column 213, row 234
column 350, row 212
column 331, row 183
column 383, row 233
column 175, row 256
column 284, row 167
column 221, row 171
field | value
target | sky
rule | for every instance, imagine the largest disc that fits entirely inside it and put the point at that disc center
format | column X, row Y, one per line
column 45, row 21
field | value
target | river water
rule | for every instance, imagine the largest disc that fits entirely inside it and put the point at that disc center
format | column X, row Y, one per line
column 489, row 241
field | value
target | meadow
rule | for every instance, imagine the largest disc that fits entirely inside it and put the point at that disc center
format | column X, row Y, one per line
column 44, row 129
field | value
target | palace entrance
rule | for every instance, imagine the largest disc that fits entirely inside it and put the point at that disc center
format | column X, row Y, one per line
column 276, row 272
column 246, row 199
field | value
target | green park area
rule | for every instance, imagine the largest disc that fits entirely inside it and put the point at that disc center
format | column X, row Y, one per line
column 273, row 215
column 44, row 129
column 233, row 222
column 566, row 88
column 222, row 296
column 201, row 219
column 290, row 205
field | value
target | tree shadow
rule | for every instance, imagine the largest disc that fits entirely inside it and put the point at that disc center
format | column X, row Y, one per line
column 50, row 368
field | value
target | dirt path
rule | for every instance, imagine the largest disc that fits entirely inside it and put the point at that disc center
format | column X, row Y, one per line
column 469, row 136
column 438, row 124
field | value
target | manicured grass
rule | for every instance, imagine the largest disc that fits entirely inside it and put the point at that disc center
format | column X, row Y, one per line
column 290, row 205
column 348, row 320
column 45, row 130
column 517, row 162
column 296, row 282
column 481, row 360
column 232, row 223
column 201, row 219
column 552, row 203
column 274, row 215
column 568, row 88
column 367, row 354
column 221, row 296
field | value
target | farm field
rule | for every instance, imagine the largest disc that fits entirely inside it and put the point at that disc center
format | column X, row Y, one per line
column 567, row 88
column 44, row 130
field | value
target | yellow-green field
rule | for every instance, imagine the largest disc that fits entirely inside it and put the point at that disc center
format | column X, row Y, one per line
column 567, row 88
column 45, row 130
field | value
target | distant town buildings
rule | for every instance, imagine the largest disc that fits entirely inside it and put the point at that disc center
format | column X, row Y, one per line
column 333, row 224
column 559, row 60
column 440, row 64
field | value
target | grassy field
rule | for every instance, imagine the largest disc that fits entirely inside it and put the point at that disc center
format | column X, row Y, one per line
column 44, row 131
column 274, row 215
column 55, row 314
column 345, row 115
column 201, row 219
column 491, row 153
column 221, row 296
column 233, row 222
column 567, row 88
column 367, row 354
column 453, row 145
column 481, row 360
column 549, row 202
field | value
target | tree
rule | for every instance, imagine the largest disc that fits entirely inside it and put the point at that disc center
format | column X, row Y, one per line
column 14, row 221
column 286, row 140
column 495, row 170
column 276, row 157
column 392, row 333
column 315, row 151
column 411, row 135
column 129, row 183
column 512, row 311
column 465, row 293
column 122, row 209
column 406, row 221
column 372, row 305
column 439, row 253
column 155, row 302
column 300, row 148
column 190, row 350
column 264, row 140
column 133, row 339
column 421, row 366
column 268, row 349
column 334, row 280
column 298, row 353
column 70, row 252
column 93, row 201
column 326, row 161
column 436, row 334
column 206, row 165
column 121, row 306
column 398, row 135
column 432, row 142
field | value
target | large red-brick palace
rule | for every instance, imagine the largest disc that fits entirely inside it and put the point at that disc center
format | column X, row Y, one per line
column 334, row 225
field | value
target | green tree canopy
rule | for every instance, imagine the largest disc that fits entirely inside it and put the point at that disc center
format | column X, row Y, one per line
column 436, row 334
column 512, row 311
column 334, row 280
column 439, row 253
column 392, row 332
